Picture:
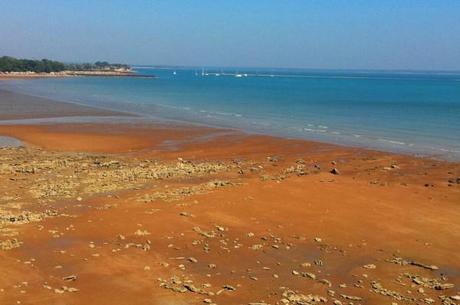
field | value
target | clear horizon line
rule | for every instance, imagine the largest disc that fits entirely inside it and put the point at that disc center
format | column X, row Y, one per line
column 299, row 68
column 450, row 71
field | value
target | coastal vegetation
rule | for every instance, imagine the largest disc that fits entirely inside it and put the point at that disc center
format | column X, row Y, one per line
column 11, row 64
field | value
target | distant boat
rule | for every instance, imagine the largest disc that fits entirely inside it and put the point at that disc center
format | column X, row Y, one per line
column 241, row 75
column 174, row 73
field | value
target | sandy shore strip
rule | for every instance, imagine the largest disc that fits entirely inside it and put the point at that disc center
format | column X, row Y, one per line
column 164, row 214
column 89, row 73
column 14, row 106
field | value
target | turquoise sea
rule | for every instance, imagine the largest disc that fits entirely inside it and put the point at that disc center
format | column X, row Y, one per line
column 408, row 112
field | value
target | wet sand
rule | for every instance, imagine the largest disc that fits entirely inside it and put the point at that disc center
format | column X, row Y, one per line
column 163, row 214
column 15, row 106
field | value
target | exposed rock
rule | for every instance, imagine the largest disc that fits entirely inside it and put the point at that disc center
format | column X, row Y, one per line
column 70, row 278
column 141, row 233
column 210, row 234
column 183, row 285
column 10, row 244
column 351, row 297
column 454, row 180
column 192, row 260
column 370, row 266
column 273, row 159
column 25, row 217
column 309, row 275
column 181, row 192
column 292, row 298
column 335, row 171
column 403, row 262
column 377, row 288
column 433, row 283
column 229, row 287
column 299, row 170
column 444, row 286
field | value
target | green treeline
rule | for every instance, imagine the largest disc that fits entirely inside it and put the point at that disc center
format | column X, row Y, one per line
column 11, row 64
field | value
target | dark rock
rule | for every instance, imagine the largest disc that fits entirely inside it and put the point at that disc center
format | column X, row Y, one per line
column 335, row 171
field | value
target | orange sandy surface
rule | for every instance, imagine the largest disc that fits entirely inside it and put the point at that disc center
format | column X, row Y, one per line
column 274, row 227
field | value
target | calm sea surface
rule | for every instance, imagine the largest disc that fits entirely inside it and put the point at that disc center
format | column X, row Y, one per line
column 416, row 113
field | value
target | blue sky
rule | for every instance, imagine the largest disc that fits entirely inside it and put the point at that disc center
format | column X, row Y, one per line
column 331, row 34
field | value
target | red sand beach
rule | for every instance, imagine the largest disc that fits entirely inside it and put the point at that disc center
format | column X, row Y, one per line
column 164, row 214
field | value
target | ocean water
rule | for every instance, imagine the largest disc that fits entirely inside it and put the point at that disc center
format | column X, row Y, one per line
column 406, row 112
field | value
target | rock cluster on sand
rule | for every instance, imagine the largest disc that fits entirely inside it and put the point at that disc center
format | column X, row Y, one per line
column 276, row 230
column 45, row 177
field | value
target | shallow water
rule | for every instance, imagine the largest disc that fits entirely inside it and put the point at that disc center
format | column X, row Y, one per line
column 9, row 142
column 417, row 113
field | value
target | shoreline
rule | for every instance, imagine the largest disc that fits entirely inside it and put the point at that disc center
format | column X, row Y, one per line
column 97, row 112
column 273, row 201
column 155, row 213
column 34, row 75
